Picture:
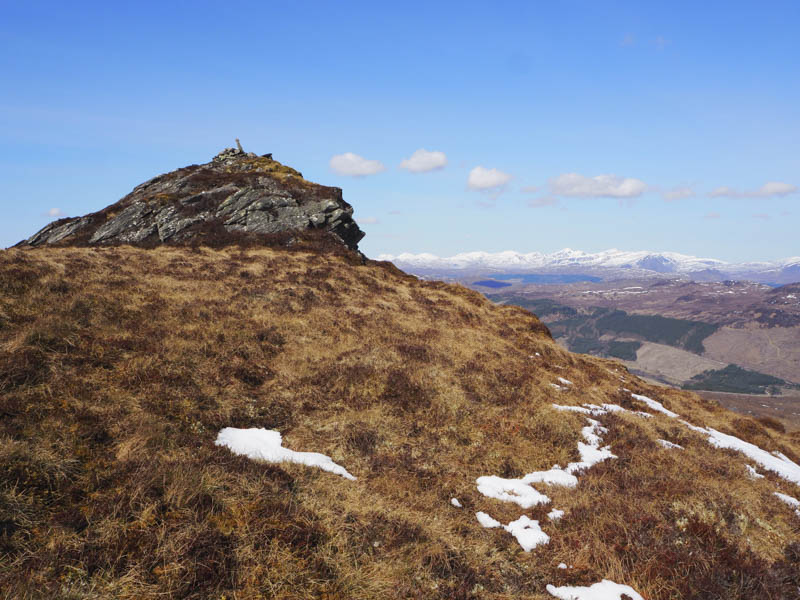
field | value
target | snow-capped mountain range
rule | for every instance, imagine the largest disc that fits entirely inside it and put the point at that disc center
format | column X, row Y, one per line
column 609, row 264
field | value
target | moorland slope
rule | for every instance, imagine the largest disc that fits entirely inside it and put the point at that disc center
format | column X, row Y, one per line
column 119, row 367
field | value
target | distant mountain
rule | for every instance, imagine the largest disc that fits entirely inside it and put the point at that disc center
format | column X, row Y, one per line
column 609, row 264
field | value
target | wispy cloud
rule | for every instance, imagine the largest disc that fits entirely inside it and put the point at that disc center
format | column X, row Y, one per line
column 712, row 215
column 628, row 40
column 768, row 190
column 763, row 216
column 530, row 189
column 423, row 161
column 483, row 179
column 368, row 221
column 55, row 213
column 543, row 201
column 599, row 186
column 354, row 165
column 677, row 193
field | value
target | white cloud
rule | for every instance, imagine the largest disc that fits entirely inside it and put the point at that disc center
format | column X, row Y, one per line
column 678, row 193
column 777, row 188
column 608, row 186
column 761, row 216
column 769, row 189
column 423, row 161
column 55, row 213
column 712, row 215
column 355, row 165
column 530, row 189
column 481, row 178
column 368, row 221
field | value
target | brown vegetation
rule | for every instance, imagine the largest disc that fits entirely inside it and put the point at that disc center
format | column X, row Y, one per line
column 118, row 367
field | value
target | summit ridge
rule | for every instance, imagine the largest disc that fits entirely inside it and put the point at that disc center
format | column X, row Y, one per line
column 237, row 192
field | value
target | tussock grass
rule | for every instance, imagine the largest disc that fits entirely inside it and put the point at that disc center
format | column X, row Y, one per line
column 118, row 367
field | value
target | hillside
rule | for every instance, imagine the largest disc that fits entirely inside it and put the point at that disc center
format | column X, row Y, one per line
column 119, row 367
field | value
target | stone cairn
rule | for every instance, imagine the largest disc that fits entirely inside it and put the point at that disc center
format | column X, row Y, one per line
column 238, row 152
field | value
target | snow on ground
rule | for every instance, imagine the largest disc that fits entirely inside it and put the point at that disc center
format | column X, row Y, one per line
column 668, row 444
column 655, row 405
column 793, row 502
column 455, row 502
column 605, row 590
column 265, row 444
column 487, row 521
column 510, row 490
column 597, row 410
column 577, row 409
column 555, row 514
column 562, row 565
column 777, row 464
column 753, row 473
column 520, row 490
column 555, row 385
column 591, row 452
column 563, row 381
column 528, row 533
column 555, row 476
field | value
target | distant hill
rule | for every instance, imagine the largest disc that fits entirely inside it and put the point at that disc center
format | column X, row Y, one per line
column 607, row 265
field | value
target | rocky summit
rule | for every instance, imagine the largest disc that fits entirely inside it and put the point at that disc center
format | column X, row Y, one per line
column 236, row 192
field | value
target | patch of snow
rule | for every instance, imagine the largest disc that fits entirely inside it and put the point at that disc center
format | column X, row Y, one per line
column 555, row 385
column 555, row 514
column 694, row 427
column 655, row 405
column 455, row 502
column 605, row 590
column 591, row 452
column 668, row 445
column 528, row 533
column 590, row 432
column 564, row 381
column 753, row 473
column 562, row 566
column 555, row 476
column 597, row 411
column 793, row 502
column 487, row 521
column 266, row 444
column 577, row 409
column 510, row 490
column 779, row 464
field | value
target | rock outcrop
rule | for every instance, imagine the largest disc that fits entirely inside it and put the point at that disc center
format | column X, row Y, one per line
column 237, row 192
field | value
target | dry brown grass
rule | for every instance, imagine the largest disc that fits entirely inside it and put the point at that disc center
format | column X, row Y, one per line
column 118, row 367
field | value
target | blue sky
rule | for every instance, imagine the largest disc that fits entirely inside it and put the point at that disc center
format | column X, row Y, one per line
column 604, row 107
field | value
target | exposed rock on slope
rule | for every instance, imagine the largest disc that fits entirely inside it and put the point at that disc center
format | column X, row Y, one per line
column 235, row 192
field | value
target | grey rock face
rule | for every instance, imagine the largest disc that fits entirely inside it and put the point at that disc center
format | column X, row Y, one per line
column 237, row 191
